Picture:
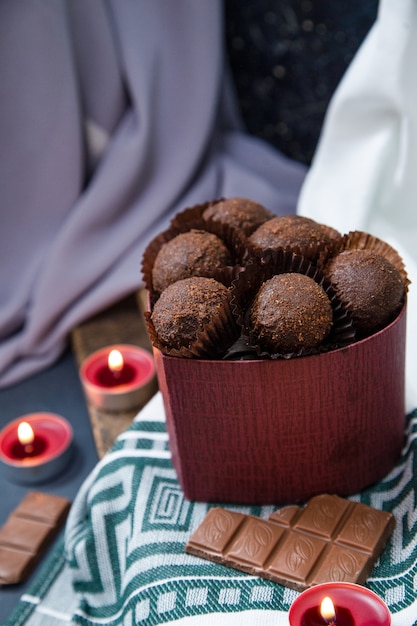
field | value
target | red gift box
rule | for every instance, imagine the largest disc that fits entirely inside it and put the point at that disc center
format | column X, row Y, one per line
column 280, row 431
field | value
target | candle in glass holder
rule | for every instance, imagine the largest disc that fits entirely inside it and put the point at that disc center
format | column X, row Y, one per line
column 35, row 447
column 118, row 378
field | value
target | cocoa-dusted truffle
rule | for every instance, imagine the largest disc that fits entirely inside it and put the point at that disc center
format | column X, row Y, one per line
column 294, row 231
column 291, row 312
column 370, row 286
column 185, row 307
column 239, row 213
column 193, row 253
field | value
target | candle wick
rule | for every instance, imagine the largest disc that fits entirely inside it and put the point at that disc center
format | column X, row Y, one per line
column 28, row 448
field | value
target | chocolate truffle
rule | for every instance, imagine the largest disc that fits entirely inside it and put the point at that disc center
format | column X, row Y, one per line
column 185, row 307
column 193, row 253
column 241, row 213
column 291, row 312
column 294, row 231
column 370, row 286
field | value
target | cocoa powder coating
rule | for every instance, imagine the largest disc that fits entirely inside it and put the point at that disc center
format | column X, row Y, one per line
column 291, row 231
column 185, row 307
column 193, row 253
column 290, row 312
column 369, row 284
column 240, row 213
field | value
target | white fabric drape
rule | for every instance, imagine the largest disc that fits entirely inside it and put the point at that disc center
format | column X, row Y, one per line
column 364, row 174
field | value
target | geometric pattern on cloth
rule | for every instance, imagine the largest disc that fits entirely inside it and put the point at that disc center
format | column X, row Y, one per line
column 130, row 522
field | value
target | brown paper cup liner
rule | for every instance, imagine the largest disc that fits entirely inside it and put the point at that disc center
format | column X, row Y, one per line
column 188, row 218
column 149, row 257
column 282, row 261
column 212, row 342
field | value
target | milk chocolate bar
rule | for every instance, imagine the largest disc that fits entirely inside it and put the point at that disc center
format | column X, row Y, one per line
column 329, row 540
column 27, row 532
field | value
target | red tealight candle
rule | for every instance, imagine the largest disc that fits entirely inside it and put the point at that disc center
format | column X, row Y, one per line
column 339, row 604
column 27, row 444
column 325, row 615
column 35, row 447
column 116, row 371
column 117, row 378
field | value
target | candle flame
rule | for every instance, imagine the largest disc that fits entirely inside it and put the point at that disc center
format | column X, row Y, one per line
column 327, row 609
column 115, row 361
column 25, row 433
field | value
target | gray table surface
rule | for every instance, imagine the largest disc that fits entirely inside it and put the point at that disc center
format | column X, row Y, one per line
column 57, row 390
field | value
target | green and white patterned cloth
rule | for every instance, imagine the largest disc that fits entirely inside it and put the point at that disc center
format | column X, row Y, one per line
column 125, row 540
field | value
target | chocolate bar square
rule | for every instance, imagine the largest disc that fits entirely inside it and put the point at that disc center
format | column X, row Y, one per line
column 27, row 532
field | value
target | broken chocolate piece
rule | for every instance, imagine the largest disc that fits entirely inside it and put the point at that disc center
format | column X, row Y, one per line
column 27, row 532
column 329, row 540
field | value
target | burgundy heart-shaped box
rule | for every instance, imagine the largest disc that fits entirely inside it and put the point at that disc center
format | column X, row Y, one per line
column 280, row 431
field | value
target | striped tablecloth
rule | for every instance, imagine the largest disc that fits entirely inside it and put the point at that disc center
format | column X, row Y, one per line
column 125, row 561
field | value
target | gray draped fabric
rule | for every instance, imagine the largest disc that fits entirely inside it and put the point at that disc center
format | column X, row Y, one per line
column 114, row 115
